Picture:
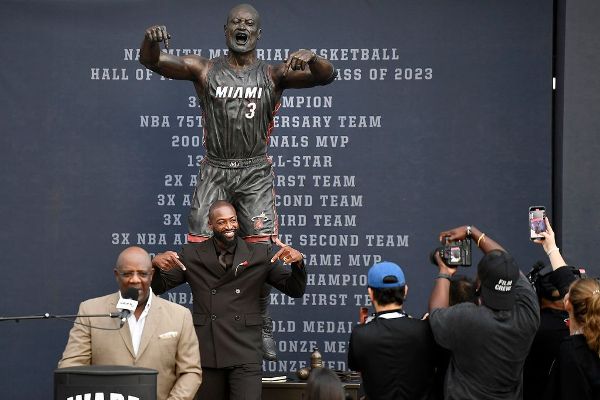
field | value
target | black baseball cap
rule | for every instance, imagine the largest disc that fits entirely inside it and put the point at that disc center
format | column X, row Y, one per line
column 498, row 273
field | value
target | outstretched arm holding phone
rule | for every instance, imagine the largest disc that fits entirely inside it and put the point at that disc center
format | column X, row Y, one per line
column 548, row 242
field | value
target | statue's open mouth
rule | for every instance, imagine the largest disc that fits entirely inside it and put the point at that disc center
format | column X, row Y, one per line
column 241, row 38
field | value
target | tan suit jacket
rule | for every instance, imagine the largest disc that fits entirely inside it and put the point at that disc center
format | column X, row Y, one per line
column 168, row 345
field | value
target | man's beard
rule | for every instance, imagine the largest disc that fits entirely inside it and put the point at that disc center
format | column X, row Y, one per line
column 220, row 237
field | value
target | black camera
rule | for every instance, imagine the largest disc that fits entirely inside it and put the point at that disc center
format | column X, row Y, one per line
column 453, row 253
column 536, row 272
column 539, row 279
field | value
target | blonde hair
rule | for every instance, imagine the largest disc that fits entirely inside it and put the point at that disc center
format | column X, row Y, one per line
column 584, row 296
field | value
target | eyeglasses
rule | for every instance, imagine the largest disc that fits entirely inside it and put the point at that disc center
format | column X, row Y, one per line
column 129, row 275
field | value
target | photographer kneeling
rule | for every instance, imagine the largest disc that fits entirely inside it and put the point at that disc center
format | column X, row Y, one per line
column 488, row 342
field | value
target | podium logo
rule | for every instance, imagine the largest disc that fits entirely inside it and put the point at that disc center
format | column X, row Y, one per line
column 100, row 396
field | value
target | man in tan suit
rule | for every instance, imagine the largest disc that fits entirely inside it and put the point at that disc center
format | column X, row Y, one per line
column 159, row 334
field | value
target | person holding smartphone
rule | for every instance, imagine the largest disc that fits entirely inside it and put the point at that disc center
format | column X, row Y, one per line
column 574, row 369
column 553, row 317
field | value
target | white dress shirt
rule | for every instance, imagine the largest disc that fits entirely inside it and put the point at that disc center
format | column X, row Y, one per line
column 136, row 326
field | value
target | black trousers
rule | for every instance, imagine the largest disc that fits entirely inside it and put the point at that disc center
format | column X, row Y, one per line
column 241, row 382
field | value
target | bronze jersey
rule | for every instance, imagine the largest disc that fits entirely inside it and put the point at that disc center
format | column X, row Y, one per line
column 238, row 109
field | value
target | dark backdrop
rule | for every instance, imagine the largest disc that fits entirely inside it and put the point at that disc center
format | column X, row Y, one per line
column 444, row 112
column 577, row 122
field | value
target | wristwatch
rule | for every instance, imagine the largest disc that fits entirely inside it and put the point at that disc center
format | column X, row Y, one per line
column 468, row 231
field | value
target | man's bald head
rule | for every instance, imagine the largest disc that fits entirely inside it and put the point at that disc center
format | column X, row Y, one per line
column 242, row 29
column 244, row 8
column 134, row 270
column 218, row 205
column 135, row 255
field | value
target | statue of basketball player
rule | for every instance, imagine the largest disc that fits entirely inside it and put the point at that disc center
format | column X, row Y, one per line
column 239, row 96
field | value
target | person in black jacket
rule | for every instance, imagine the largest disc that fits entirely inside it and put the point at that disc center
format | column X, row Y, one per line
column 575, row 373
column 553, row 320
column 394, row 353
column 226, row 275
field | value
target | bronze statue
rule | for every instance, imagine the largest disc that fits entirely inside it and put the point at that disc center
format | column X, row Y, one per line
column 239, row 96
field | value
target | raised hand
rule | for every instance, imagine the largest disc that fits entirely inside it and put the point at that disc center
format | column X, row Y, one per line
column 158, row 33
column 167, row 261
column 298, row 60
column 288, row 255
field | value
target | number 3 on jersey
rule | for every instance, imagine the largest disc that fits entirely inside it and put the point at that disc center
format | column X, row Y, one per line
column 252, row 108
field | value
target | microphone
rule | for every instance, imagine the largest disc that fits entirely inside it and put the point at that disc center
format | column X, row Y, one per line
column 127, row 304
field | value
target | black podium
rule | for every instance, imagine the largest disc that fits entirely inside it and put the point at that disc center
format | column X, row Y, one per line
column 106, row 382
